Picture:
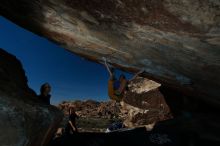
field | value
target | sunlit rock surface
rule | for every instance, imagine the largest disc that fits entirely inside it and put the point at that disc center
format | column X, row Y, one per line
column 177, row 42
column 144, row 105
column 24, row 120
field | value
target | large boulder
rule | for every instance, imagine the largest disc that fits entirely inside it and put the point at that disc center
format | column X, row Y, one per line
column 176, row 41
column 25, row 120
column 144, row 105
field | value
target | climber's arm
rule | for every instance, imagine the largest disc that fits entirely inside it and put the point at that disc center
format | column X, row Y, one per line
column 106, row 65
column 71, row 124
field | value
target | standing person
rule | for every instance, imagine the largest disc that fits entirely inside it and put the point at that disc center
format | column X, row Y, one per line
column 45, row 93
column 71, row 124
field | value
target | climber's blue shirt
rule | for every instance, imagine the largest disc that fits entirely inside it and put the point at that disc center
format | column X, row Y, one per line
column 116, row 85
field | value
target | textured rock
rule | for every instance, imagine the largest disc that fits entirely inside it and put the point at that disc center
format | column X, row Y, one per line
column 176, row 41
column 144, row 104
column 24, row 119
column 192, row 116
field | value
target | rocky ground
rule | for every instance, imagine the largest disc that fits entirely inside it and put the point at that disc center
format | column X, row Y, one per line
column 165, row 133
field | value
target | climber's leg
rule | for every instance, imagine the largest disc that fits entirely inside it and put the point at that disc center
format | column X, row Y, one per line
column 111, row 89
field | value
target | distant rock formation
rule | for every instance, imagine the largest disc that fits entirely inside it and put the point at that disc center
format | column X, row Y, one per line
column 92, row 109
column 24, row 119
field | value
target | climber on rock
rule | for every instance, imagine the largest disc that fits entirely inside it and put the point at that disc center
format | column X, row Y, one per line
column 71, row 124
column 45, row 93
column 117, row 88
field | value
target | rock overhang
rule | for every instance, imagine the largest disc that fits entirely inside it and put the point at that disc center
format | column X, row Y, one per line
column 176, row 42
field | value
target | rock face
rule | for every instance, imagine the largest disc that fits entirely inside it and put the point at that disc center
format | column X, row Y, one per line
column 144, row 104
column 24, row 119
column 176, row 41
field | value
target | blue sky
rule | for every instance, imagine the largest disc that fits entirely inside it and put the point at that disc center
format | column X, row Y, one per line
column 70, row 76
